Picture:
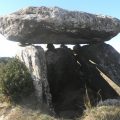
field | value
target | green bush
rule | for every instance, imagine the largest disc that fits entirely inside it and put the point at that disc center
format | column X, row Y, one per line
column 15, row 80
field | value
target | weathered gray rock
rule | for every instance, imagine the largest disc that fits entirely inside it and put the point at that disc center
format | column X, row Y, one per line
column 109, row 102
column 56, row 25
column 34, row 59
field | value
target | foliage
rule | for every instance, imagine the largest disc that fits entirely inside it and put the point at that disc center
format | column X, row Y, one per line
column 15, row 80
column 4, row 60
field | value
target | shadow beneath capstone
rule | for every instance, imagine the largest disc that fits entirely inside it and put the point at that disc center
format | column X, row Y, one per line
column 74, row 82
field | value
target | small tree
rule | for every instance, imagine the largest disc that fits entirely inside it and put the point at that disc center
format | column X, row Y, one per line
column 15, row 80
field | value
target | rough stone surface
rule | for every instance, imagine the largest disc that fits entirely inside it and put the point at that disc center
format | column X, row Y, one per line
column 66, row 85
column 106, row 58
column 109, row 102
column 69, row 77
column 93, row 76
column 34, row 59
column 56, row 25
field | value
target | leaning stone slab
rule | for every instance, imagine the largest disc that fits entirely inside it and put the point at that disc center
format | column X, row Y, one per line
column 39, row 25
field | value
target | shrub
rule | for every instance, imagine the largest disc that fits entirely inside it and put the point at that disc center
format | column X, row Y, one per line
column 15, row 80
column 4, row 60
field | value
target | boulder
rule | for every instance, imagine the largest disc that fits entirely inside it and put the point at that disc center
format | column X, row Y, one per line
column 34, row 58
column 74, row 81
column 106, row 63
column 105, row 57
column 93, row 76
column 66, row 82
column 109, row 102
column 40, row 25
column 68, row 79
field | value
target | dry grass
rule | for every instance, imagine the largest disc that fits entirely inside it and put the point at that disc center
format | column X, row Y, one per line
column 21, row 113
column 102, row 113
column 28, row 109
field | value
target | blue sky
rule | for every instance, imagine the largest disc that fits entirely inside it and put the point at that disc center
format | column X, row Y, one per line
column 106, row 7
column 109, row 7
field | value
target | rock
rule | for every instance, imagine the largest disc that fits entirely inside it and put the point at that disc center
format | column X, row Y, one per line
column 34, row 59
column 71, row 79
column 65, row 79
column 109, row 102
column 39, row 25
column 94, row 80
column 65, row 82
column 106, row 58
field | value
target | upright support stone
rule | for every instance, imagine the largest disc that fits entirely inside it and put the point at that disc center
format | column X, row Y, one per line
column 34, row 59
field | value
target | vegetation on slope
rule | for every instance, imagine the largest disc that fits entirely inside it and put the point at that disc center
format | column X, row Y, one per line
column 15, row 80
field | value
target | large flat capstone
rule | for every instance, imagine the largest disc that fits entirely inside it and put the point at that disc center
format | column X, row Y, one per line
column 41, row 25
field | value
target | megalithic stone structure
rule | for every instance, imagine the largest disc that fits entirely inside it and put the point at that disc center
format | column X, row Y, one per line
column 34, row 58
column 43, row 25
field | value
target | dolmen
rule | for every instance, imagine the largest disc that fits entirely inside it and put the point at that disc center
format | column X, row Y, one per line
column 64, row 78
